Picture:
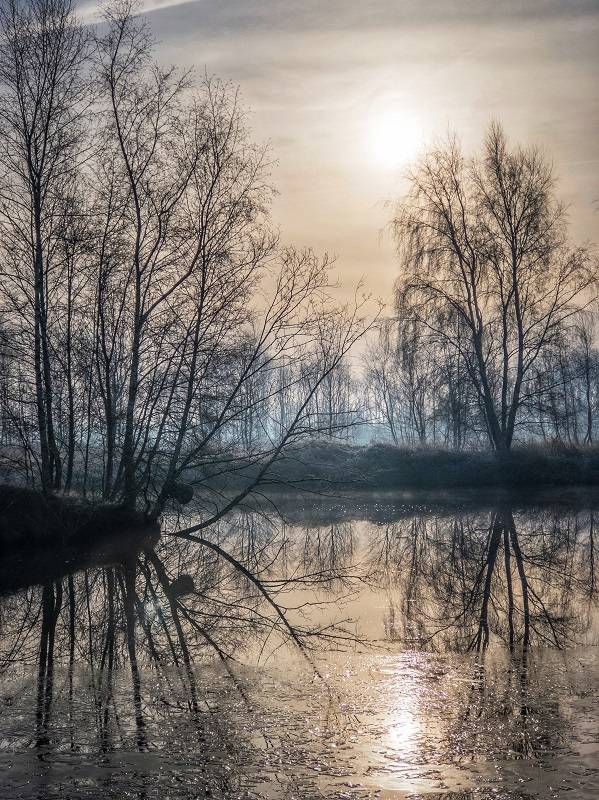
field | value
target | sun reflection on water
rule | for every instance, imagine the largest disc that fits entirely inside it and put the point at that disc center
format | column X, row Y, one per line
column 405, row 700
column 404, row 733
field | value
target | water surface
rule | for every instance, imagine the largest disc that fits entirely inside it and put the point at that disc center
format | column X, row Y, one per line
column 346, row 650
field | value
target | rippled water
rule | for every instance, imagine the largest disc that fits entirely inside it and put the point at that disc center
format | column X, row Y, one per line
column 427, row 663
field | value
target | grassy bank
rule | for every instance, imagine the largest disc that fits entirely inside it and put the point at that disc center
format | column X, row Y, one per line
column 383, row 466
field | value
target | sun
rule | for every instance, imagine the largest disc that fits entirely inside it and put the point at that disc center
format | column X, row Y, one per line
column 395, row 139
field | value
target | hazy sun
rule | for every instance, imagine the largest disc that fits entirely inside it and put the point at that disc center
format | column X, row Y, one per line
column 395, row 139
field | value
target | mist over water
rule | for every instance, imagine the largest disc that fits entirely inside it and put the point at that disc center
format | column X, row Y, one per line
column 444, row 654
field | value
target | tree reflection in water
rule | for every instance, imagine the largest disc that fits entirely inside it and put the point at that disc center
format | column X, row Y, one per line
column 460, row 579
column 469, row 584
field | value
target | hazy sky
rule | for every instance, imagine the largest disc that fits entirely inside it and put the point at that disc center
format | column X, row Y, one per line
column 347, row 92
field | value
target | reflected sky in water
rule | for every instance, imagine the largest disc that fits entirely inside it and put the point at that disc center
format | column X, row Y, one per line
column 362, row 650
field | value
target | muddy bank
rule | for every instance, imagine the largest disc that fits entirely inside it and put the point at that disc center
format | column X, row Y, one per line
column 45, row 538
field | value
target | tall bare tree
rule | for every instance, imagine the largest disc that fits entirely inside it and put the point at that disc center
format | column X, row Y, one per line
column 485, row 241
column 43, row 105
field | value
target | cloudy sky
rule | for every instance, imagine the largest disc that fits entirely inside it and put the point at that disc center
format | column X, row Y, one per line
column 347, row 92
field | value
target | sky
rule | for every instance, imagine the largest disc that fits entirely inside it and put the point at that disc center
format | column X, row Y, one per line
column 348, row 93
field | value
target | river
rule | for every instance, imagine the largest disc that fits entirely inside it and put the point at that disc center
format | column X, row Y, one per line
column 372, row 648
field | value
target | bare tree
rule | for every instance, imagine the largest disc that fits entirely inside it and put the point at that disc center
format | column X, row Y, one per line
column 44, row 102
column 485, row 241
column 140, row 270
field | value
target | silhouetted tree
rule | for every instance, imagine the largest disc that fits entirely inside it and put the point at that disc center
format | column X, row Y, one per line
column 487, row 269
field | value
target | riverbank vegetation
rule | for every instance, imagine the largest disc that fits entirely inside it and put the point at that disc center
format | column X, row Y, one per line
column 338, row 467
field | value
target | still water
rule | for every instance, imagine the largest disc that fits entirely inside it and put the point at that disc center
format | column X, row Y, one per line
column 372, row 649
